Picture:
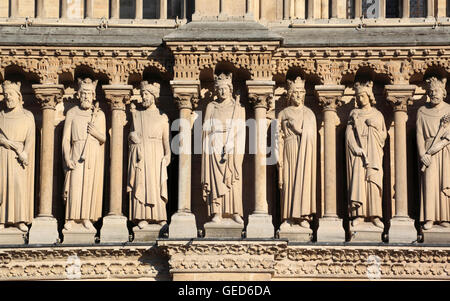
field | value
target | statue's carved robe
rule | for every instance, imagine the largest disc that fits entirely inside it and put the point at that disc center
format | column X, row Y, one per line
column 83, row 188
column 16, row 179
column 222, row 182
column 365, row 184
column 147, row 168
column 298, row 153
column 435, row 180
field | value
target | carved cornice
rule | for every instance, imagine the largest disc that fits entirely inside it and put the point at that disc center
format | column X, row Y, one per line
column 400, row 96
column 83, row 263
column 48, row 95
column 118, row 96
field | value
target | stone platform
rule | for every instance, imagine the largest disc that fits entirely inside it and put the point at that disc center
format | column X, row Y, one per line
column 12, row 236
column 366, row 232
column 79, row 235
column 295, row 233
column 226, row 228
column 436, row 235
column 149, row 233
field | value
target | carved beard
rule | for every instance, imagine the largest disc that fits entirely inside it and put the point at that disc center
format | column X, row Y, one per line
column 435, row 100
column 12, row 104
column 147, row 103
column 86, row 104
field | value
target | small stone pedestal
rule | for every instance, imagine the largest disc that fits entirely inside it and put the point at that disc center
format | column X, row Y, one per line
column 12, row 236
column 402, row 230
column 149, row 233
column 226, row 228
column 114, row 229
column 295, row 233
column 260, row 226
column 183, row 225
column 436, row 235
column 78, row 234
column 44, row 230
column 366, row 232
column 330, row 230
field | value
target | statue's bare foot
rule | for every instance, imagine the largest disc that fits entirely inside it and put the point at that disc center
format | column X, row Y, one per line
column 357, row 221
column 445, row 224
column 428, row 225
column 304, row 224
column 216, row 218
column 22, row 227
column 69, row 225
column 88, row 224
column 377, row 222
column 142, row 224
column 238, row 219
column 163, row 223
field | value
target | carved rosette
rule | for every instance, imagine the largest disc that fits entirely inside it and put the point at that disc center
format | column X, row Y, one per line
column 329, row 96
column 48, row 95
column 400, row 96
column 118, row 96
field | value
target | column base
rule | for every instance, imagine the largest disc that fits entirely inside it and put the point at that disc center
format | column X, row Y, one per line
column 12, row 236
column 260, row 226
column 183, row 226
column 78, row 234
column 44, row 230
column 226, row 228
column 436, row 235
column 366, row 232
column 330, row 230
column 114, row 229
column 149, row 233
column 402, row 230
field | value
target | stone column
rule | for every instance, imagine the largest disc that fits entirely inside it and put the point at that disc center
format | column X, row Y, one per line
column 163, row 9
column 402, row 228
column 286, row 9
column 114, row 227
column 115, row 9
column 183, row 224
column 358, row 9
column 40, row 9
column 405, row 9
column 382, row 9
column 441, row 8
column 430, row 8
column 139, row 12
column 89, row 8
column 330, row 225
column 324, row 9
column 260, row 221
column 14, row 8
column 44, row 229
column 64, row 9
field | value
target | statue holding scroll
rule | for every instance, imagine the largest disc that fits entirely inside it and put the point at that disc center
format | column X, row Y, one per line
column 83, row 146
column 223, row 153
column 433, row 142
column 365, row 137
column 17, row 147
column 297, row 162
column 149, row 155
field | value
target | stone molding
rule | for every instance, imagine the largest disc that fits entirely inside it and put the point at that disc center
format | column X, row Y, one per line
column 118, row 96
column 48, row 95
column 329, row 96
column 400, row 96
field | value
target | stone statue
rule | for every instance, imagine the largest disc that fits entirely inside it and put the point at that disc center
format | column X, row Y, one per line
column 149, row 155
column 365, row 137
column 433, row 141
column 17, row 147
column 297, row 162
column 83, row 148
column 223, row 153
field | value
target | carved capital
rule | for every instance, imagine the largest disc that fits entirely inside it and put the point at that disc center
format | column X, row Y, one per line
column 329, row 96
column 185, row 93
column 260, row 93
column 117, row 95
column 400, row 96
column 48, row 95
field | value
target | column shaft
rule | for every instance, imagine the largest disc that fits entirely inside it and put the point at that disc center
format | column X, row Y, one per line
column 325, row 9
column 358, row 9
column 116, row 167
column 89, row 9
column 334, row 9
column 46, row 164
column 184, row 168
column 405, row 9
column 382, row 9
column 40, row 9
column 401, row 190
column 115, row 9
column 330, row 162
column 261, row 206
column 430, row 8
column 139, row 12
column 163, row 9
column 64, row 8
column 14, row 8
